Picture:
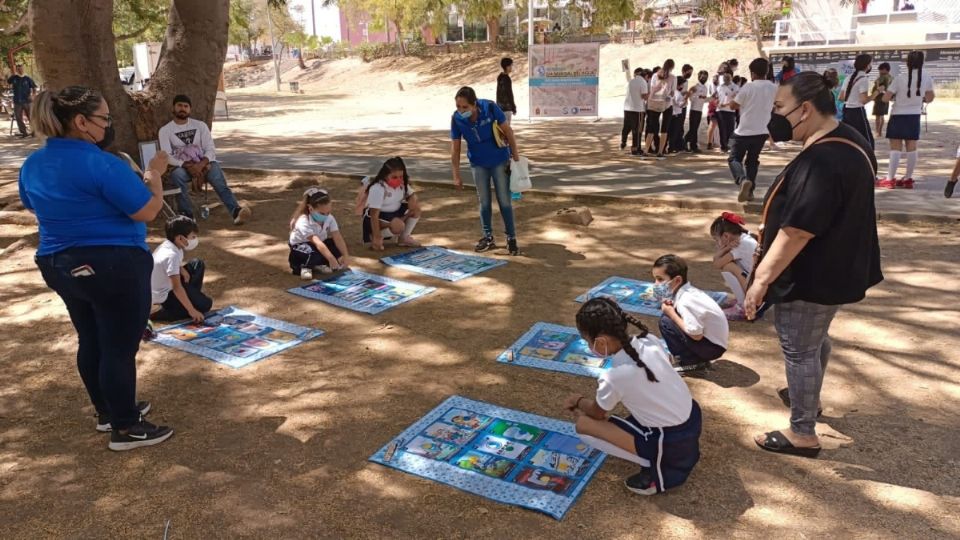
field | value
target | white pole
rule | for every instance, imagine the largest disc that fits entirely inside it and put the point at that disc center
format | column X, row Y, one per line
column 273, row 48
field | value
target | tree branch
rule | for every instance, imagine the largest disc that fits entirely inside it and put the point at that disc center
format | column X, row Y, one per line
column 134, row 34
column 17, row 26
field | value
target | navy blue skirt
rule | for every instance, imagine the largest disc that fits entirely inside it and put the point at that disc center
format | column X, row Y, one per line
column 904, row 127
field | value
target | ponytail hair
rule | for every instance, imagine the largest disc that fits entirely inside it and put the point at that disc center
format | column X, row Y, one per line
column 914, row 62
column 860, row 63
column 728, row 222
column 393, row 164
column 603, row 316
column 311, row 197
column 53, row 112
column 815, row 88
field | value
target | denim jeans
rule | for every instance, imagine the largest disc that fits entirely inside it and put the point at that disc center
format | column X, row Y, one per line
column 802, row 328
column 744, row 157
column 217, row 180
column 172, row 308
column 109, row 311
column 687, row 350
column 726, row 123
column 483, row 177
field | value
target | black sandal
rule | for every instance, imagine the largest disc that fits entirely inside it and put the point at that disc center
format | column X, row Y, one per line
column 784, row 394
column 778, row 443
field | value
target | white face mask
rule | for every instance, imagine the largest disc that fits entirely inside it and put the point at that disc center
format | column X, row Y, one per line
column 192, row 243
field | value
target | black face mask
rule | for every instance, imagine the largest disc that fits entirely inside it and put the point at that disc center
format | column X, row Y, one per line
column 108, row 136
column 780, row 128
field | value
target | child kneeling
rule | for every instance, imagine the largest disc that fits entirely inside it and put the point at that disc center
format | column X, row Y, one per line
column 734, row 258
column 391, row 206
column 315, row 240
column 662, row 432
column 178, row 288
column 692, row 324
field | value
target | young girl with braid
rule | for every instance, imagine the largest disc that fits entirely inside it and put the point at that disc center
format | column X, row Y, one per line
column 908, row 92
column 661, row 434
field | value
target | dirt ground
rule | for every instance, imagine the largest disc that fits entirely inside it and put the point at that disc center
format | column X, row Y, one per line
column 278, row 449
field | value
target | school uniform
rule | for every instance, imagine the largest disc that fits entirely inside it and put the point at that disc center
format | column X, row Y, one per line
column 726, row 117
column 390, row 201
column 905, row 113
column 660, row 106
column 167, row 261
column 303, row 253
column 664, row 419
column 679, row 116
column 742, row 257
column 854, row 112
column 697, row 99
column 700, row 315
column 633, row 108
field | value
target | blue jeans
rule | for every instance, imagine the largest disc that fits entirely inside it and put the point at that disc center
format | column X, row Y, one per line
column 109, row 311
column 217, row 181
column 802, row 328
column 482, row 177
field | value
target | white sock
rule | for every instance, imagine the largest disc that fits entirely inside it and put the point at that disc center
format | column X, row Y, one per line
column 911, row 163
column 385, row 233
column 894, row 164
column 410, row 225
column 614, row 450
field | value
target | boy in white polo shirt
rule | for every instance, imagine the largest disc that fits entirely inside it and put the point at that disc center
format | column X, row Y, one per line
column 693, row 325
column 179, row 288
column 755, row 103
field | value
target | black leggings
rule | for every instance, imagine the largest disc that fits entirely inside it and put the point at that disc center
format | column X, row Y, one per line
column 631, row 126
column 305, row 255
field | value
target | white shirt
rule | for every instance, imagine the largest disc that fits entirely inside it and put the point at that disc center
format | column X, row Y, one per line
column 725, row 94
column 699, row 97
column 167, row 260
column 902, row 104
column 385, row 198
column 701, row 315
column 653, row 404
column 306, row 228
column 636, row 88
column 743, row 253
column 756, row 103
column 663, row 89
column 173, row 136
column 861, row 85
column 679, row 102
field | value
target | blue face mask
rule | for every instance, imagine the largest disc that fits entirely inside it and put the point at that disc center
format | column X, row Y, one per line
column 466, row 115
column 318, row 217
column 662, row 291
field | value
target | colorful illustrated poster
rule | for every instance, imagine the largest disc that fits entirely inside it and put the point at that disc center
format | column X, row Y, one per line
column 564, row 80
column 235, row 337
column 555, row 348
column 636, row 296
column 363, row 292
column 442, row 263
column 505, row 455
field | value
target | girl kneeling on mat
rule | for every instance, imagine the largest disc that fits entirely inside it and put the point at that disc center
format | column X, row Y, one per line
column 734, row 257
column 315, row 240
column 662, row 431
column 391, row 205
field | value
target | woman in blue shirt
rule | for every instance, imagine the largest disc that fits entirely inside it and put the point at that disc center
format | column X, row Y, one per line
column 92, row 209
column 473, row 121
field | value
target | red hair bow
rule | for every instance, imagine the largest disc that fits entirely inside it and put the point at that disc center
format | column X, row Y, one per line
column 733, row 218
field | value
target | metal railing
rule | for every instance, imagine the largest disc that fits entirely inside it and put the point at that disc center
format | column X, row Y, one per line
column 935, row 25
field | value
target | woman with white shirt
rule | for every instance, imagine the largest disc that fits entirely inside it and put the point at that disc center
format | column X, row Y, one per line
column 692, row 324
column 855, row 95
column 908, row 92
column 660, row 106
column 662, row 432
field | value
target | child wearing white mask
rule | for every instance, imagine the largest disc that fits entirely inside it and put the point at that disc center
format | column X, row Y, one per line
column 316, row 244
column 693, row 325
column 178, row 288
column 662, row 432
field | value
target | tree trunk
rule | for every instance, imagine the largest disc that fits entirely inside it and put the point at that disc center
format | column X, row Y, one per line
column 403, row 48
column 493, row 31
column 74, row 44
column 758, row 34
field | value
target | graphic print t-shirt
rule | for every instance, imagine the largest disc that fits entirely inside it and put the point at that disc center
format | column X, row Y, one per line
column 189, row 140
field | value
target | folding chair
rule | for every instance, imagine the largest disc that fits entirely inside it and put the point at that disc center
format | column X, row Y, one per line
column 168, row 211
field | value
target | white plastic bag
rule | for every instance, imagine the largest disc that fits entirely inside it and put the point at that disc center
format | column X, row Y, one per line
column 520, row 175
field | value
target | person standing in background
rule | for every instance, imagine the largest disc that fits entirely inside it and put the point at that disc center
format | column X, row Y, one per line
column 754, row 102
column 909, row 92
column 633, row 108
column 23, row 91
column 698, row 97
column 505, row 89
column 880, row 107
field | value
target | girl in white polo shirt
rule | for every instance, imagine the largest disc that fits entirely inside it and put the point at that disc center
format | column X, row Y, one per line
column 391, row 204
column 315, row 240
column 733, row 257
column 662, row 431
column 909, row 91
column 692, row 324
column 856, row 94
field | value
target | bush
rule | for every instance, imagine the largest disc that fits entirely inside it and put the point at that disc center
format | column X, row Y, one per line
column 417, row 47
column 372, row 51
column 521, row 43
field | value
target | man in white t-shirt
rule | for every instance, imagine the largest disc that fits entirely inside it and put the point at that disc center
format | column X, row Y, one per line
column 189, row 144
column 633, row 109
column 698, row 98
column 755, row 103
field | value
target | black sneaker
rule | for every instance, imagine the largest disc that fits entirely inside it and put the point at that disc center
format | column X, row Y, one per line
column 103, row 421
column 746, row 191
column 485, row 244
column 948, row 189
column 142, row 433
column 642, row 483
column 512, row 246
column 681, row 367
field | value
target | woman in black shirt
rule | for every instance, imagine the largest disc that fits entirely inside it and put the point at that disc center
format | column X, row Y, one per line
column 818, row 246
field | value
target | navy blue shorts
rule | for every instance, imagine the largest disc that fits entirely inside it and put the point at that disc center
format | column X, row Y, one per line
column 384, row 216
column 904, row 127
column 672, row 451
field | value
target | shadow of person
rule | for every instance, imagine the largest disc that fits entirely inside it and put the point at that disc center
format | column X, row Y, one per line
column 691, row 501
column 553, row 255
column 727, row 374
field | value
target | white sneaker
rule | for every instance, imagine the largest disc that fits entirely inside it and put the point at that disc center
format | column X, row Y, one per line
column 306, row 274
column 242, row 215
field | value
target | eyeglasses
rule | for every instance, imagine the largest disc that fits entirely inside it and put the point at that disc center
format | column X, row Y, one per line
column 107, row 118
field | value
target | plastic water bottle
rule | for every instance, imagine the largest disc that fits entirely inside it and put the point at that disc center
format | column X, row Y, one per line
column 516, row 196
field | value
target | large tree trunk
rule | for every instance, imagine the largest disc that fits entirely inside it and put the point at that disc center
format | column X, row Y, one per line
column 74, row 44
column 403, row 48
column 493, row 30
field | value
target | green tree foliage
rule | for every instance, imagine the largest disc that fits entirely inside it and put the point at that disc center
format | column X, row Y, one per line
column 244, row 29
column 135, row 21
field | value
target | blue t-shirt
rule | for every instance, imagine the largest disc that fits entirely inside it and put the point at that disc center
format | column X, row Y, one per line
column 82, row 196
column 22, row 85
column 482, row 149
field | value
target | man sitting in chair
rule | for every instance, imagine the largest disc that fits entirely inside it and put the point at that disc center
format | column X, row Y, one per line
column 190, row 145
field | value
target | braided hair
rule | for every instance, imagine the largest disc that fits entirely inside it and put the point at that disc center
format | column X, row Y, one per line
column 603, row 316
column 391, row 165
column 914, row 62
column 53, row 111
column 859, row 64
